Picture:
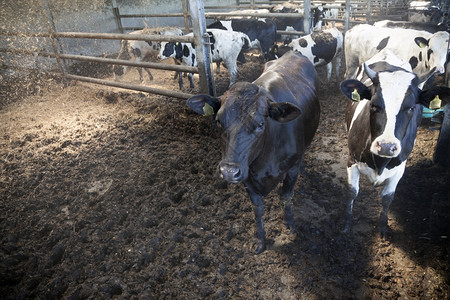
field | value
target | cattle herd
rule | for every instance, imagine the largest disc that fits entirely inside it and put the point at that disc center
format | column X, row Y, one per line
column 268, row 124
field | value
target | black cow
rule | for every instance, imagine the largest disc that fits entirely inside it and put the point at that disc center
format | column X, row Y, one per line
column 261, row 32
column 382, row 123
column 266, row 126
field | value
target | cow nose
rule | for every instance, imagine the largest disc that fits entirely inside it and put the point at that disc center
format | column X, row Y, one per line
column 386, row 149
column 230, row 172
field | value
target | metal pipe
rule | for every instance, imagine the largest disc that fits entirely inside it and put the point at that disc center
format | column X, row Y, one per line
column 160, row 66
column 129, row 86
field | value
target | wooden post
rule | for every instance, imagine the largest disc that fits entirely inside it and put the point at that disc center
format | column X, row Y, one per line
column 202, row 47
column 185, row 15
column 117, row 16
column 51, row 30
column 347, row 15
column 368, row 11
column 307, row 16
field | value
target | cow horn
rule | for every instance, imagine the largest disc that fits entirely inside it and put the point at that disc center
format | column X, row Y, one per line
column 427, row 76
column 371, row 73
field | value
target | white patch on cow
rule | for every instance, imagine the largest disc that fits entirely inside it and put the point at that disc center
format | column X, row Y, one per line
column 393, row 86
column 363, row 41
column 227, row 25
column 392, row 175
column 359, row 109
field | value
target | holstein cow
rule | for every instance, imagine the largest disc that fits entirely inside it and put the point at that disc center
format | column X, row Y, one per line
column 267, row 124
column 423, row 50
column 321, row 48
column 142, row 50
column 225, row 47
column 261, row 32
column 382, row 121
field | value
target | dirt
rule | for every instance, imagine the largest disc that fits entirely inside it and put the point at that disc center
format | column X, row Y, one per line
column 109, row 193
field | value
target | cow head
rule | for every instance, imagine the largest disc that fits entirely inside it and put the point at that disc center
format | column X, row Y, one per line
column 172, row 49
column 436, row 49
column 394, row 102
column 245, row 114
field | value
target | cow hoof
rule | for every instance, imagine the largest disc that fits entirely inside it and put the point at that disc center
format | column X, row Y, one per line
column 261, row 247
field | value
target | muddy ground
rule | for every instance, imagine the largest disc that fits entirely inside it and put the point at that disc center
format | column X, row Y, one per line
column 113, row 194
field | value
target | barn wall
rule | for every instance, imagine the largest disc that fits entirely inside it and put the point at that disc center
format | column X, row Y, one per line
column 83, row 16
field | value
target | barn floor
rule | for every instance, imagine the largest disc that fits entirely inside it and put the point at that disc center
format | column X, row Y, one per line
column 107, row 193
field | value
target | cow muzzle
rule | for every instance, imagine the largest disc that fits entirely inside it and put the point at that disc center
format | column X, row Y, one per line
column 230, row 172
column 386, row 148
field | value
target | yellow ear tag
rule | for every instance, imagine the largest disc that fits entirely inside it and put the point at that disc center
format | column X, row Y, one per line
column 177, row 43
column 275, row 50
column 421, row 45
column 435, row 103
column 355, row 96
column 208, row 110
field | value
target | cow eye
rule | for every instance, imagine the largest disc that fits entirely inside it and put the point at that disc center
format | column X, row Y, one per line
column 375, row 108
column 260, row 127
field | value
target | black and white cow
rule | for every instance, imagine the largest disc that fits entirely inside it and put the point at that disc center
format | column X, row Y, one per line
column 267, row 124
column 382, row 121
column 142, row 50
column 287, row 23
column 321, row 48
column 261, row 32
column 225, row 47
column 431, row 28
column 423, row 50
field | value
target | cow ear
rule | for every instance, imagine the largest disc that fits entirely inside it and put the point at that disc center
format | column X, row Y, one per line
column 284, row 111
column 355, row 90
column 435, row 94
column 421, row 42
column 204, row 104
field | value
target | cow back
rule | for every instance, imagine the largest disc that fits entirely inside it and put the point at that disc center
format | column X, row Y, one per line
column 293, row 78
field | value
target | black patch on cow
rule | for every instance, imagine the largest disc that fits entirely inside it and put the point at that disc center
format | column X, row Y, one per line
column 186, row 51
column 169, row 48
column 193, row 58
column 413, row 62
column 302, row 43
column 420, row 56
column 136, row 52
column 383, row 43
column 212, row 40
column 429, row 52
column 149, row 43
column 325, row 46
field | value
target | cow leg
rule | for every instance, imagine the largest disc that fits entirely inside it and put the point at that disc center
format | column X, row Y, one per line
column 337, row 64
column 180, row 80
column 329, row 70
column 387, row 195
column 258, row 209
column 217, row 67
column 287, row 190
column 150, row 76
column 353, row 190
column 191, row 80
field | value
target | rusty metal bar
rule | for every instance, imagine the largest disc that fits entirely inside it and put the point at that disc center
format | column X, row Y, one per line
column 105, row 36
column 151, row 15
column 259, row 15
column 129, row 86
column 160, row 66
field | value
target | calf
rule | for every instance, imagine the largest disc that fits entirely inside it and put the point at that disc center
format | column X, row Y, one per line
column 141, row 50
column 266, row 126
column 225, row 47
column 261, row 32
column 424, row 51
column 321, row 48
column 382, row 121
